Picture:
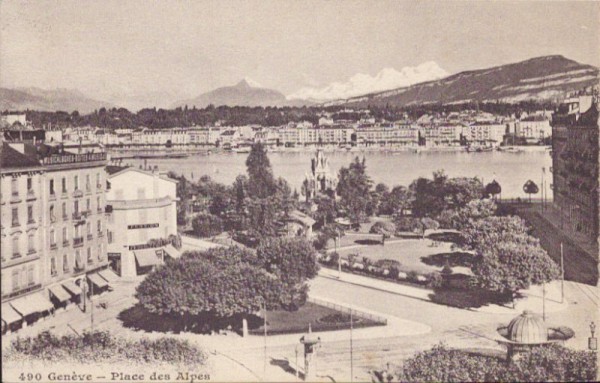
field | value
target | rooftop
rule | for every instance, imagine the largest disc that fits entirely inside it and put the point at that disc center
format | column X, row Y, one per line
column 12, row 158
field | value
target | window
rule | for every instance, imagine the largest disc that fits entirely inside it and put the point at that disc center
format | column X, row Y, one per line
column 88, row 228
column 53, row 270
column 15, row 216
column 15, row 280
column 14, row 187
column 29, row 185
column 78, row 263
column 65, row 235
column 99, row 226
column 100, row 252
column 15, row 247
column 76, row 182
column 76, row 207
column 64, row 185
column 51, row 187
column 52, row 216
column 89, row 255
column 88, row 205
column 110, row 236
column 98, row 184
column 30, row 243
column 52, row 237
column 98, row 204
column 30, row 275
column 88, row 185
column 64, row 210
column 30, row 214
column 65, row 263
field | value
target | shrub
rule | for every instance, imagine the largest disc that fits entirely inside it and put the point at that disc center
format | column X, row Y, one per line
column 101, row 346
column 387, row 263
column 407, row 224
column 207, row 225
column 552, row 363
column 412, row 276
column 394, row 272
column 402, row 275
column 386, row 228
column 435, row 280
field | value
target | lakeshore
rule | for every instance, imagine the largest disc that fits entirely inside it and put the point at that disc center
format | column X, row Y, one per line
column 510, row 169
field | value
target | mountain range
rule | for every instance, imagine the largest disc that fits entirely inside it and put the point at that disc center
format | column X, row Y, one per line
column 361, row 84
column 541, row 78
column 244, row 93
column 68, row 100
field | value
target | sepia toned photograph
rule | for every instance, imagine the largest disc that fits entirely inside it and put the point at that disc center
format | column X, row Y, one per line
column 299, row 191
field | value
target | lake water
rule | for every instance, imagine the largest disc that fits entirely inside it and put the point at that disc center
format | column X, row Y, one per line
column 511, row 170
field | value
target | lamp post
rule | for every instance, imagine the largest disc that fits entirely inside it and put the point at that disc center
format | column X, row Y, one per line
column 310, row 343
column 593, row 341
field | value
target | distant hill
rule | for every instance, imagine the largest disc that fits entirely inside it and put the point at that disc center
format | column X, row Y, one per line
column 67, row 100
column 242, row 94
column 541, row 78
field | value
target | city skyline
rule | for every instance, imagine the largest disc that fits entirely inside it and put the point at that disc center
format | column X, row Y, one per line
column 175, row 50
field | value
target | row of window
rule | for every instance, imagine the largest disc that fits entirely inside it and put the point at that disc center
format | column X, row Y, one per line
column 14, row 186
column 16, row 246
column 76, row 207
column 78, row 264
column 78, row 233
column 15, row 216
column 88, row 184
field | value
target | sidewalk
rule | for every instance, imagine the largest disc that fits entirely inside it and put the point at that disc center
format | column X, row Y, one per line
column 532, row 300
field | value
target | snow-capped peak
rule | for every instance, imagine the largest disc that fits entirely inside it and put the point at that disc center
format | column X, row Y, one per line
column 252, row 83
column 361, row 84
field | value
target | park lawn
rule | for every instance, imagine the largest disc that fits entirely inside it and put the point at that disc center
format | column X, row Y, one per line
column 409, row 252
column 290, row 322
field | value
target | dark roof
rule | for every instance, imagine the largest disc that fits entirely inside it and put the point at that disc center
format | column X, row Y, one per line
column 12, row 158
column 112, row 169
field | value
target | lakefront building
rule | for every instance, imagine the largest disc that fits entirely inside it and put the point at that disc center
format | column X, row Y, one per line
column 142, row 216
column 575, row 164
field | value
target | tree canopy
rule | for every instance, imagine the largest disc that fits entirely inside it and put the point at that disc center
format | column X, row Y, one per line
column 353, row 188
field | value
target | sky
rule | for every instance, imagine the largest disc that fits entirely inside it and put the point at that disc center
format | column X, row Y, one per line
column 184, row 48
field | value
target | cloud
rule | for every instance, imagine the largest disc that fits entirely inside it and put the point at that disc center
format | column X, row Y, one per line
column 361, row 84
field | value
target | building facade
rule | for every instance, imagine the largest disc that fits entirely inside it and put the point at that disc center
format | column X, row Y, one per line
column 575, row 148
column 141, row 208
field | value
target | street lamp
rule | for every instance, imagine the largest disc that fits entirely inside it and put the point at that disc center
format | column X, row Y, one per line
column 593, row 341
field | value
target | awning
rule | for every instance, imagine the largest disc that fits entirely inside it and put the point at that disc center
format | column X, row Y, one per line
column 9, row 315
column 31, row 304
column 97, row 280
column 109, row 275
column 172, row 251
column 59, row 293
column 72, row 288
column 146, row 257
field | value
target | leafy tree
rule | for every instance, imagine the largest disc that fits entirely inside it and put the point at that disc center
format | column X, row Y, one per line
column 192, row 286
column 293, row 261
column 461, row 218
column 207, row 225
column 429, row 224
column 326, row 211
column 493, row 188
column 399, row 199
column 261, row 183
column 530, row 188
column 354, row 187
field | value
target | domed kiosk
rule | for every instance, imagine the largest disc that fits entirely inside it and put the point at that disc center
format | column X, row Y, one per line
column 529, row 330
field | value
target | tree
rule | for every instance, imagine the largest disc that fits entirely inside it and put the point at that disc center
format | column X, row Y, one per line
column 326, row 211
column 507, row 259
column 354, row 190
column 196, row 286
column 530, row 188
column 493, row 188
column 261, row 183
column 429, row 224
column 207, row 225
column 293, row 261
column 399, row 199
column 461, row 218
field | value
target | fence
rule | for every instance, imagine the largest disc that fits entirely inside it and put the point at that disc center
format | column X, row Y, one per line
column 347, row 310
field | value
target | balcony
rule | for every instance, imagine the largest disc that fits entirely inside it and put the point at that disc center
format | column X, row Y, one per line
column 52, row 196
column 100, row 234
column 65, row 243
column 77, row 241
column 14, row 198
column 65, row 217
column 15, row 223
column 31, row 251
column 53, row 246
column 90, row 237
column 79, row 215
column 30, row 195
